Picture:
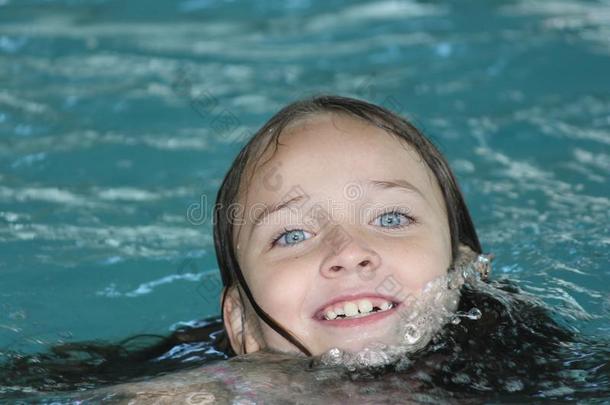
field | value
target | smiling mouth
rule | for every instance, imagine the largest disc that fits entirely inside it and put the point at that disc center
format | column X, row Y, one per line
column 333, row 317
column 356, row 309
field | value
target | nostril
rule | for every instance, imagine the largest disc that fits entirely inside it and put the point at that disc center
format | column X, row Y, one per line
column 365, row 263
column 335, row 268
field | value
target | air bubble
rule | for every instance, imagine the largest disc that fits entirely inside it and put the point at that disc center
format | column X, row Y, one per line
column 421, row 319
column 412, row 334
column 474, row 314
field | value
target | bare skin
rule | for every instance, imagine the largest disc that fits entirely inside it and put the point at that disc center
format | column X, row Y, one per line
column 329, row 158
column 386, row 203
column 283, row 379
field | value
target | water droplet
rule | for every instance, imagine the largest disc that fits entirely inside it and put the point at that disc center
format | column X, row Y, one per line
column 412, row 334
column 474, row 314
column 513, row 385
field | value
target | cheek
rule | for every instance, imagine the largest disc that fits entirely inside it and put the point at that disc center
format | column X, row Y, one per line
column 419, row 261
column 280, row 288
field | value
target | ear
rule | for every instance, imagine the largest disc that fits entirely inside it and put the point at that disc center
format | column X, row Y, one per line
column 240, row 328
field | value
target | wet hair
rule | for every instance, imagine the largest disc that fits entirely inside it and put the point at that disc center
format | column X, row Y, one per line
column 244, row 166
column 515, row 350
column 85, row 365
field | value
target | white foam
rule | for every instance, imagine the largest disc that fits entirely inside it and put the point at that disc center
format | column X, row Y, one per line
column 422, row 319
column 127, row 194
column 149, row 286
column 380, row 10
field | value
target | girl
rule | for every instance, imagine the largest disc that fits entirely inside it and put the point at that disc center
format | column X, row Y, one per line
column 342, row 235
column 345, row 212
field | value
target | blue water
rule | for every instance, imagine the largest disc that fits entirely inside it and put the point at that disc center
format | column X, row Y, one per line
column 119, row 119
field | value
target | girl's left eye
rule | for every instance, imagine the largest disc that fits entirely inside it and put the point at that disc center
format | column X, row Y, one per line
column 290, row 237
column 393, row 219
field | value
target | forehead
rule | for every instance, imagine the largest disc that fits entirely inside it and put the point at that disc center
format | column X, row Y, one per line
column 326, row 151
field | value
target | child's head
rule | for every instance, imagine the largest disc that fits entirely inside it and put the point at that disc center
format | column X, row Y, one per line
column 330, row 199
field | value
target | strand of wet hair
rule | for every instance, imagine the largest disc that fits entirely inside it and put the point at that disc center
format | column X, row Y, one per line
column 265, row 317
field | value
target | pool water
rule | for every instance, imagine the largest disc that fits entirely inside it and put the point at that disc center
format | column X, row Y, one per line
column 118, row 121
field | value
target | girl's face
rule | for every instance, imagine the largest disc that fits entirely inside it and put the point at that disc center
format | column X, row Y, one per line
column 342, row 228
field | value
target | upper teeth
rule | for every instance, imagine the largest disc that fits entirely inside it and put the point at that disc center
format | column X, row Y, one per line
column 352, row 309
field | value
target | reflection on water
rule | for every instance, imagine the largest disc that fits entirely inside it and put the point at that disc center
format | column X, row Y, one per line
column 116, row 117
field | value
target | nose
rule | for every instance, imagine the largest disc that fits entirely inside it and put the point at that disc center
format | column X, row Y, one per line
column 354, row 257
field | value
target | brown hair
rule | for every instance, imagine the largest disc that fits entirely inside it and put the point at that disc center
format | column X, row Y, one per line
column 460, row 223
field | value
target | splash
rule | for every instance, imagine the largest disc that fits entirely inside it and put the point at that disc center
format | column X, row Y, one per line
column 421, row 319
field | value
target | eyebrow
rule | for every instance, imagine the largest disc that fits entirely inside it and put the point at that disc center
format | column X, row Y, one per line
column 399, row 184
column 279, row 206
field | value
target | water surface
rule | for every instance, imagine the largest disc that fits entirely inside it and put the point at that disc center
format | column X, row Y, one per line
column 118, row 121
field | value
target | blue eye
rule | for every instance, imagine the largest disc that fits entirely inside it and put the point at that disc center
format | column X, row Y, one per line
column 394, row 219
column 290, row 237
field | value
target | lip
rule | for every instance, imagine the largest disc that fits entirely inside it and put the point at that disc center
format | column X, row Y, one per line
column 349, row 323
column 374, row 317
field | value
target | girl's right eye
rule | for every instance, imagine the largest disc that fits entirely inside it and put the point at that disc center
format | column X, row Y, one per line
column 290, row 237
